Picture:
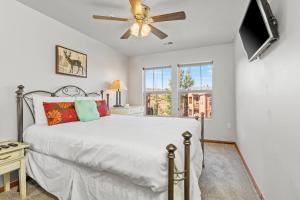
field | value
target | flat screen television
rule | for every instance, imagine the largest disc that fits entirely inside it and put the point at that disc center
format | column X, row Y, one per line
column 259, row 28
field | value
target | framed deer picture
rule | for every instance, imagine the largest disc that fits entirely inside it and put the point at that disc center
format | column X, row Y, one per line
column 70, row 62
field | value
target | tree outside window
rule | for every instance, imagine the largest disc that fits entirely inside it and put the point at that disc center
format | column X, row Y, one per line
column 158, row 91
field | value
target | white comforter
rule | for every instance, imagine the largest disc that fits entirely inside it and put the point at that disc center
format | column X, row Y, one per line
column 131, row 147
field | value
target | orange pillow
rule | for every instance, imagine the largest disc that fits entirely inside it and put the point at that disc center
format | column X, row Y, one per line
column 60, row 112
column 102, row 108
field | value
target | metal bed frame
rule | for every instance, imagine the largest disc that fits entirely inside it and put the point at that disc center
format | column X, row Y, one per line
column 174, row 176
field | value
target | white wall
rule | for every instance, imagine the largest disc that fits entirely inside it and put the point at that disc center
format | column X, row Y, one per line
column 223, row 83
column 27, row 52
column 268, row 108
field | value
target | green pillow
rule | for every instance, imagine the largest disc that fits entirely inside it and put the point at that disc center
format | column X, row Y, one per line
column 86, row 110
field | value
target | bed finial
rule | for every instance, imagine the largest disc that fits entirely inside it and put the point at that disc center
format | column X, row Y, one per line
column 20, row 90
column 171, row 156
column 171, row 150
column 187, row 136
column 19, row 93
column 202, row 115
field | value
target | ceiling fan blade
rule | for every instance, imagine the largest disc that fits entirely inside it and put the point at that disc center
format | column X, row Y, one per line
column 136, row 6
column 169, row 17
column 126, row 35
column 158, row 32
column 110, row 18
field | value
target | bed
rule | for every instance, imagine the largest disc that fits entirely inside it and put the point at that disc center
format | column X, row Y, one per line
column 115, row 157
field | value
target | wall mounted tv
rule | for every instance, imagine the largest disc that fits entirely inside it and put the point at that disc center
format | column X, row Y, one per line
column 259, row 28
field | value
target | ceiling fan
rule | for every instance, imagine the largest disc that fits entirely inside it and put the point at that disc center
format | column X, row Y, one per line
column 142, row 22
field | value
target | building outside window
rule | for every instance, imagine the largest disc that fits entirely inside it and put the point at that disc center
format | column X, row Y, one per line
column 195, row 89
column 157, row 91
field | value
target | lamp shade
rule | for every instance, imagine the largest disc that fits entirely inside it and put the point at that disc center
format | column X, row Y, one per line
column 117, row 85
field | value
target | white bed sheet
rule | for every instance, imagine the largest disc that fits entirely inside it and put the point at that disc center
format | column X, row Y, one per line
column 68, row 181
column 120, row 145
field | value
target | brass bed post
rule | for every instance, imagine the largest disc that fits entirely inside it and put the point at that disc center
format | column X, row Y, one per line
column 187, row 143
column 19, row 93
column 107, row 101
column 171, row 156
column 107, row 98
column 202, row 134
column 101, row 93
column 202, row 137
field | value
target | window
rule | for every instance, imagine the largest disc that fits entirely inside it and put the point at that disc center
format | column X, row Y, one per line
column 157, row 91
column 195, row 90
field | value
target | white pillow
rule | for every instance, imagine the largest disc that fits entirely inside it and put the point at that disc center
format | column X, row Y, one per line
column 96, row 98
column 39, row 112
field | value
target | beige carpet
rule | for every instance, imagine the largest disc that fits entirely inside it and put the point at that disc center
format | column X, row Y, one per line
column 224, row 178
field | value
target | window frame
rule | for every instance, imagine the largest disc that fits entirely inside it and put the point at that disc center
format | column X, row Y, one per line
column 145, row 92
column 181, row 91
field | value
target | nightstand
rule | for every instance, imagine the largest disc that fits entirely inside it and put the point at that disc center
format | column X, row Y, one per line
column 13, row 158
column 131, row 110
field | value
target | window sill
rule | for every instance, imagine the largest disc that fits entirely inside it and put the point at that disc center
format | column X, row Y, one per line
column 207, row 119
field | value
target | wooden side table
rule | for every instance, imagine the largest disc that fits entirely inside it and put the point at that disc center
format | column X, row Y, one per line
column 13, row 158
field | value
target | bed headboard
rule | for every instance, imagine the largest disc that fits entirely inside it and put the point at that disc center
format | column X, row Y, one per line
column 65, row 91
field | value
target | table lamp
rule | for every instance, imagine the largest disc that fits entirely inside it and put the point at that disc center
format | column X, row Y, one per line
column 117, row 86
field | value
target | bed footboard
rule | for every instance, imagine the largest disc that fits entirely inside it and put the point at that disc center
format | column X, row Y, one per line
column 174, row 176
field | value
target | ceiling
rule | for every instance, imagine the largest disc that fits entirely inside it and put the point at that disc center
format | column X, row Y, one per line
column 208, row 22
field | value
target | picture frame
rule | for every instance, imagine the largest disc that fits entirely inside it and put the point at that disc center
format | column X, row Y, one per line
column 70, row 62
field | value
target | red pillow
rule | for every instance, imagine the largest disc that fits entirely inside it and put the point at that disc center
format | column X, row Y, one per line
column 60, row 112
column 102, row 108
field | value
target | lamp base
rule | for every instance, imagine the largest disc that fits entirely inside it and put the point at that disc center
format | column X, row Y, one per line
column 118, row 99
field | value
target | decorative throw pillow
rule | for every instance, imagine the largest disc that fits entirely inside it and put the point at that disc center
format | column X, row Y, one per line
column 60, row 112
column 102, row 108
column 39, row 111
column 86, row 110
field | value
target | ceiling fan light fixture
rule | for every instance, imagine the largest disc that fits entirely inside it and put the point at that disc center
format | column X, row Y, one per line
column 145, row 30
column 135, row 29
column 141, row 22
